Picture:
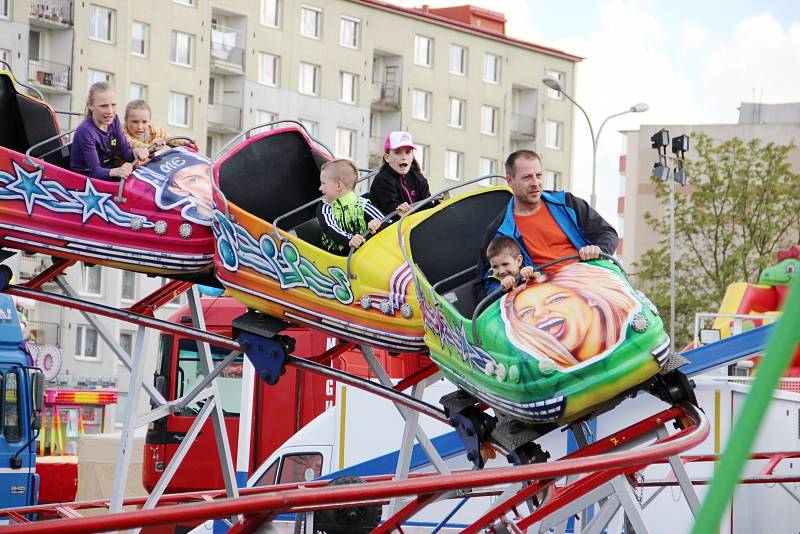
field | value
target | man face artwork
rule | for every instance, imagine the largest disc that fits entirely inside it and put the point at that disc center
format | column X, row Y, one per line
column 103, row 108
column 194, row 181
column 564, row 315
column 138, row 122
column 527, row 181
column 400, row 159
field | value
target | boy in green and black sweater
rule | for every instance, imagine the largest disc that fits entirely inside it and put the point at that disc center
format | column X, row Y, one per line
column 343, row 215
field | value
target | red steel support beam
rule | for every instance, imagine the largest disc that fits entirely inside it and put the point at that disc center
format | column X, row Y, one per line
column 332, row 495
column 169, row 291
column 49, row 274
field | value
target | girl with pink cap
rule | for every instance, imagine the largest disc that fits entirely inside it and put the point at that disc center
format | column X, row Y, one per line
column 399, row 182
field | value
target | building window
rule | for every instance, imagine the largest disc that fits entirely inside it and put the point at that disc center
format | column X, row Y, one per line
column 91, row 280
column 458, row 60
column 310, row 22
column 271, row 13
column 422, row 156
column 309, row 79
column 268, row 69
column 491, row 68
column 5, row 9
column 487, row 167
column 345, row 143
column 99, row 76
column 264, row 117
column 488, row 120
column 180, row 109
column 552, row 93
column 139, row 34
column 312, row 127
column 126, row 342
column 182, row 48
column 421, row 108
column 86, row 342
column 554, row 130
column 552, row 180
column 453, row 165
column 212, row 91
column 455, row 117
column 101, row 24
column 128, row 290
column 5, row 55
column 184, row 2
column 347, row 87
column 423, row 51
column 349, row 32
column 138, row 91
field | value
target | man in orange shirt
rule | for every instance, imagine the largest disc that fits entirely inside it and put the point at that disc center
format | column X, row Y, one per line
column 547, row 224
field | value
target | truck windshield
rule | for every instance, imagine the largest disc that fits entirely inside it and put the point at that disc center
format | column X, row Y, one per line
column 190, row 374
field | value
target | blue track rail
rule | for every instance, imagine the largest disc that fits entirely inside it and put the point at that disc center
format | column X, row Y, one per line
column 726, row 351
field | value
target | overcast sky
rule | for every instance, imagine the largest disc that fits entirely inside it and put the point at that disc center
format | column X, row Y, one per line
column 693, row 62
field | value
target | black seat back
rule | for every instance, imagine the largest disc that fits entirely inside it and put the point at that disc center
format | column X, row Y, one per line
column 272, row 176
column 26, row 121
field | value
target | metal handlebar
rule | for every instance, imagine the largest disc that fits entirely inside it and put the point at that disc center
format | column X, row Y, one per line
column 491, row 297
column 298, row 209
column 29, row 153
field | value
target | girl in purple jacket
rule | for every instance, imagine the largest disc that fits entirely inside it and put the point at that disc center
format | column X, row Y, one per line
column 99, row 139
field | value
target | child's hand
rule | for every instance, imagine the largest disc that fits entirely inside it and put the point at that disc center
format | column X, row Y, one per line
column 374, row 225
column 356, row 241
column 527, row 272
column 122, row 171
column 141, row 153
column 404, row 207
column 159, row 141
column 507, row 283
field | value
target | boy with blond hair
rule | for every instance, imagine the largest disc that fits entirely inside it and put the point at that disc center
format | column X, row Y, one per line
column 343, row 215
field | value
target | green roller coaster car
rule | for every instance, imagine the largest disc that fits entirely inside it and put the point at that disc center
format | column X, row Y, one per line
column 549, row 351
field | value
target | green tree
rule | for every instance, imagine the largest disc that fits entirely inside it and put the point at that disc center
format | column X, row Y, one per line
column 741, row 205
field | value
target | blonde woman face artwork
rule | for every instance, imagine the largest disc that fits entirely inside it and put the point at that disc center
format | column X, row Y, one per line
column 572, row 316
column 563, row 314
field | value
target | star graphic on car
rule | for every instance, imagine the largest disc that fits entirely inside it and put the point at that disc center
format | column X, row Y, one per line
column 28, row 184
column 93, row 202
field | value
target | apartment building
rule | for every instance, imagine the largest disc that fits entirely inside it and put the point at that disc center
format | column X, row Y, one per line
column 350, row 71
column 778, row 123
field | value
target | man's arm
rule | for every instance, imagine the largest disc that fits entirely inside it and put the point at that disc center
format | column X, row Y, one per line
column 594, row 227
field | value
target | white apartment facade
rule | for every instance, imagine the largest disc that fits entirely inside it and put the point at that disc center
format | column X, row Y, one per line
column 349, row 70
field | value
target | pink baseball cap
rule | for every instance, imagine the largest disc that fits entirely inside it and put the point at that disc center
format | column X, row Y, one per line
column 397, row 140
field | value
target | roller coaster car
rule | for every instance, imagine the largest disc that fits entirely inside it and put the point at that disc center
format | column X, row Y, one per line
column 269, row 251
column 157, row 221
column 546, row 353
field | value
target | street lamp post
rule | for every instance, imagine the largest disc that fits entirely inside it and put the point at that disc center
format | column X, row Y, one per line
column 553, row 83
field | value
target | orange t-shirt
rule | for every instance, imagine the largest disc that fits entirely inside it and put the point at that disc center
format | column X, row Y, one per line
column 544, row 240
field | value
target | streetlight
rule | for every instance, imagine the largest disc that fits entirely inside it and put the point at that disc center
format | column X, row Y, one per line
column 553, row 83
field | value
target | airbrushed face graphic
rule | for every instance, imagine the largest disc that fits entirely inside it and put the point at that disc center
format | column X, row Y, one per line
column 181, row 179
column 579, row 313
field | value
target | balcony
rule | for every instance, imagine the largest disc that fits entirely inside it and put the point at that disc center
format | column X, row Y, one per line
column 385, row 96
column 44, row 333
column 30, row 265
column 223, row 118
column 522, row 127
column 49, row 76
column 51, row 13
column 227, row 50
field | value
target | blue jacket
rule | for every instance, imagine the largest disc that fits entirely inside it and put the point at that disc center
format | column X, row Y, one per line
column 580, row 223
